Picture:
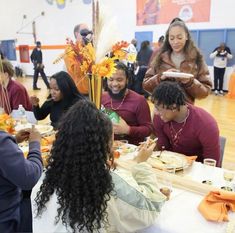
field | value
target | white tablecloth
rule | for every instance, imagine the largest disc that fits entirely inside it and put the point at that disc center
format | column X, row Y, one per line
column 180, row 213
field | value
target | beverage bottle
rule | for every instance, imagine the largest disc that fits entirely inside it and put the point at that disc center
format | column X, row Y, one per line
column 113, row 116
column 22, row 114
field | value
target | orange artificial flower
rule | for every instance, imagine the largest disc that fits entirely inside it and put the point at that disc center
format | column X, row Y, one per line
column 7, row 123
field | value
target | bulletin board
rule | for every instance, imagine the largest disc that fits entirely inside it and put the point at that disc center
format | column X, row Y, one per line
column 8, row 49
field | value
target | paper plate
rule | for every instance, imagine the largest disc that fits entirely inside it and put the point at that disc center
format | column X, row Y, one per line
column 43, row 129
column 177, row 74
column 127, row 148
column 159, row 160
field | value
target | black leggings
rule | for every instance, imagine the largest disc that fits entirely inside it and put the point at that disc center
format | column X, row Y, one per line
column 219, row 77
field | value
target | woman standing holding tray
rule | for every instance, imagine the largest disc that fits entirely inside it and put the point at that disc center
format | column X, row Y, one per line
column 179, row 55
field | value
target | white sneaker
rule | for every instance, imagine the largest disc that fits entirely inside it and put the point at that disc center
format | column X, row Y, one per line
column 216, row 92
column 221, row 92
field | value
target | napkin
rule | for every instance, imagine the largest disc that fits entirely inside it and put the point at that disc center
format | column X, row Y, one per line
column 216, row 204
column 191, row 159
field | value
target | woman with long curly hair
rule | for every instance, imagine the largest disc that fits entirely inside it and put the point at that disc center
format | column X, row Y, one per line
column 80, row 193
column 179, row 54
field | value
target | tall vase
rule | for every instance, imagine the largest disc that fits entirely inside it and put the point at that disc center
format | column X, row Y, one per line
column 95, row 89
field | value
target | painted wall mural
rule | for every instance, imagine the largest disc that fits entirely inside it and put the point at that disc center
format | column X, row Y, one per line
column 163, row 11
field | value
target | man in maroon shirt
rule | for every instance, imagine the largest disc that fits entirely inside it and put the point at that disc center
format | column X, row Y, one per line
column 181, row 127
column 135, row 122
column 14, row 91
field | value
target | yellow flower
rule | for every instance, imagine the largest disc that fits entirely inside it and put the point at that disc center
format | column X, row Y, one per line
column 120, row 54
column 104, row 69
column 107, row 67
column 84, row 67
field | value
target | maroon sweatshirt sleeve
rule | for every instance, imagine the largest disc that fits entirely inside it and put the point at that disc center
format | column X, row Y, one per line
column 144, row 128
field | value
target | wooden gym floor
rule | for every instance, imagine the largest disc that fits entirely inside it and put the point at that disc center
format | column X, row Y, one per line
column 222, row 108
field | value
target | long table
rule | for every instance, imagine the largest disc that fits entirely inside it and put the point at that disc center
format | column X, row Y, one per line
column 180, row 213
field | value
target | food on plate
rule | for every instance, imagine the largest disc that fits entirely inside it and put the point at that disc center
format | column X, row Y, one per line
column 45, row 157
column 46, row 144
column 46, row 141
column 117, row 144
column 123, row 147
column 116, row 154
column 43, row 129
column 173, row 159
column 177, row 160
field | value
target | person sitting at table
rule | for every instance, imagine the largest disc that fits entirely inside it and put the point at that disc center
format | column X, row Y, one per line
column 81, row 193
column 179, row 54
column 182, row 127
column 63, row 94
column 18, row 174
column 135, row 122
column 15, row 93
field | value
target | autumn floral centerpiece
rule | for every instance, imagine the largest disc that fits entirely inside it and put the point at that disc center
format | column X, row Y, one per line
column 96, row 59
column 95, row 70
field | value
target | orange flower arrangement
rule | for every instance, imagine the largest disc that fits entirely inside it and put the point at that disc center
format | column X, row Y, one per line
column 118, row 51
column 85, row 55
column 92, row 58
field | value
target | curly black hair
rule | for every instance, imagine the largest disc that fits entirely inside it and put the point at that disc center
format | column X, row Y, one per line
column 190, row 48
column 169, row 94
column 77, row 169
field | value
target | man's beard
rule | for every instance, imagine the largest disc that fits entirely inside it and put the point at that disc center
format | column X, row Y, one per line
column 119, row 95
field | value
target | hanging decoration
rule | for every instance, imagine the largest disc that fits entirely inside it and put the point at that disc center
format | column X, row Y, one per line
column 61, row 4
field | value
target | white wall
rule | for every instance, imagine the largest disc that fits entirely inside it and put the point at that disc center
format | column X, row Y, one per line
column 58, row 24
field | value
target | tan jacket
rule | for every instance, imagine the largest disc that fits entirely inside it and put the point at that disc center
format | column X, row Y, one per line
column 198, row 87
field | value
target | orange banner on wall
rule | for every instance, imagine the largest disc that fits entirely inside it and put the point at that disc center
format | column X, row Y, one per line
column 151, row 12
